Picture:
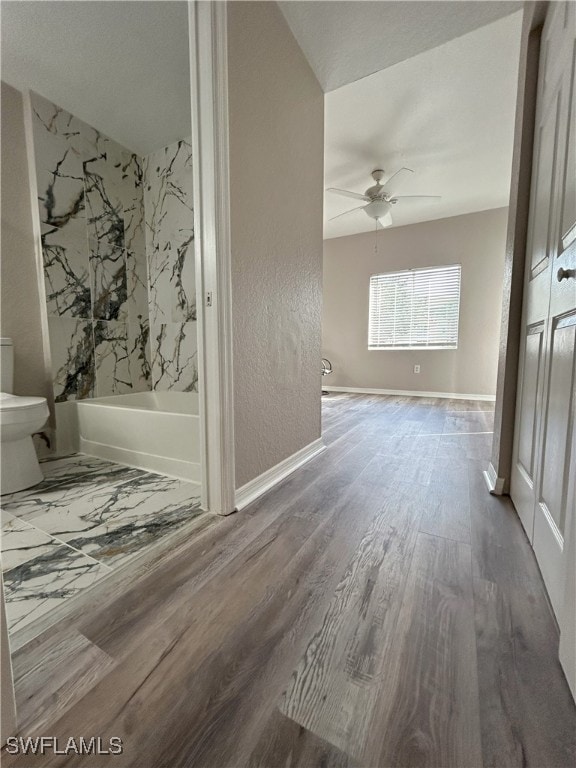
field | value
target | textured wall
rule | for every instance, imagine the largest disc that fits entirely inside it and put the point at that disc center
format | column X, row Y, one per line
column 276, row 185
column 169, row 214
column 478, row 242
column 21, row 319
column 91, row 213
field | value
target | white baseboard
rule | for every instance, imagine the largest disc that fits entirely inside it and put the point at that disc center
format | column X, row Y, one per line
column 411, row 393
column 267, row 480
column 495, row 484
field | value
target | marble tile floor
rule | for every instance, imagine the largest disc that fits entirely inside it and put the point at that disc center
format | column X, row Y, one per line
column 86, row 518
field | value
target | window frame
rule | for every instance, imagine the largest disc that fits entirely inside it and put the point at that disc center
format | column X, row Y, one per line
column 419, row 348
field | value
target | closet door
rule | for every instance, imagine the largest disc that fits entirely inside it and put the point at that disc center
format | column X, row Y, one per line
column 542, row 482
column 539, row 259
column 553, row 505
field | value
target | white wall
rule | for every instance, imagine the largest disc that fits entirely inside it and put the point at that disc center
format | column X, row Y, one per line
column 276, row 113
column 21, row 319
column 476, row 241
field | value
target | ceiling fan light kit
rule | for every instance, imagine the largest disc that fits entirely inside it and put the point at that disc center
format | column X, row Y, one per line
column 379, row 198
column 377, row 209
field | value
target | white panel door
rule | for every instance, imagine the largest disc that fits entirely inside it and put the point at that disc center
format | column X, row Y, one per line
column 542, row 482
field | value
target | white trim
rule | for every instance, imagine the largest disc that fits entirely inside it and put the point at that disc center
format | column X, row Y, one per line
column 37, row 230
column 495, row 484
column 209, row 95
column 267, row 480
column 411, row 393
column 8, row 723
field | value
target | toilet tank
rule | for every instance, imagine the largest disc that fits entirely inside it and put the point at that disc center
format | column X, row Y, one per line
column 6, row 365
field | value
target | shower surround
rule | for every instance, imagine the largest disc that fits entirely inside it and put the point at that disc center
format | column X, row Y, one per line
column 117, row 246
column 170, row 254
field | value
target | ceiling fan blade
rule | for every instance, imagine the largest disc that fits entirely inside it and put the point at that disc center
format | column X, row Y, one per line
column 345, row 193
column 345, row 212
column 417, row 197
column 397, row 179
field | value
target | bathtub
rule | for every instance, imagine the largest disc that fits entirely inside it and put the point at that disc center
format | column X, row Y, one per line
column 157, row 431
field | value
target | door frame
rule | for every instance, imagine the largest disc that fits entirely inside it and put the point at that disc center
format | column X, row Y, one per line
column 499, row 470
column 213, row 262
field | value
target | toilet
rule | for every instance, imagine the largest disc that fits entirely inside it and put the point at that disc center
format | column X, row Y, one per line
column 20, row 418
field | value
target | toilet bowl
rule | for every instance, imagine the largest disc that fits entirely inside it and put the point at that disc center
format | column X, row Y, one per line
column 20, row 418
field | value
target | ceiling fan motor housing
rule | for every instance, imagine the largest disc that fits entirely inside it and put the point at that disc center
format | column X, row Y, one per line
column 377, row 191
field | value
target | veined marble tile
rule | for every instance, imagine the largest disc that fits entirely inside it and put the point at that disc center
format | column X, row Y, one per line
column 51, row 121
column 104, row 211
column 83, row 139
column 22, row 542
column 132, row 195
column 115, row 520
column 61, row 470
column 184, row 281
column 134, row 238
column 172, row 283
column 94, row 250
column 111, row 358
column 94, row 495
column 136, row 285
column 139, row 355
column 168, row 192
column 62, row 538
column 40, row 572
column 58, row 159
column 108, row 275
column 43, row 582
column 72, row 351
column 56, row 490
column 57, row 471
column 161, row 289
column 174, row 357
column 66, row 275
column 6, row 517
column 168, row 202
column 60, row 184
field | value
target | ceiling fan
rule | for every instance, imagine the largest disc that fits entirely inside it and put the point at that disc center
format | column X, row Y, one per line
column 380, row 198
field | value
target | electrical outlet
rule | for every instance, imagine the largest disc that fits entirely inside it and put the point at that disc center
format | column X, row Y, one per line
column 416, row 369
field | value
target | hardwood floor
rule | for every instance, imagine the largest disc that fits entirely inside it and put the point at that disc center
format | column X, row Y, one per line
column 379, row 609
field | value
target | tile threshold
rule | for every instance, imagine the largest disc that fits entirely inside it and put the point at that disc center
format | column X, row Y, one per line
column 140, row 562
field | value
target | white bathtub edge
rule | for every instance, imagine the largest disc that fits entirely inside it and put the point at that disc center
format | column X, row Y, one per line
column 267, row 480
column 185, row 470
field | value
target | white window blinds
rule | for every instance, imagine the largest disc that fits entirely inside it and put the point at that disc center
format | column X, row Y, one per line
column 415, row 309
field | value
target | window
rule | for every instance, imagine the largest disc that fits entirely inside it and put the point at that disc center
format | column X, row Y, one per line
column 415, row 309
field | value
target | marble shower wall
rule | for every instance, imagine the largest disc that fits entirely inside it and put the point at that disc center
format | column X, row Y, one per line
column 169, row 215
column 90, row 198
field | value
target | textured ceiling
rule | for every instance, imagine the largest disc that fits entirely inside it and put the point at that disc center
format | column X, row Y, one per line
column 442, row 108
column 447, row 113
column 345, row 41
column 122, row 67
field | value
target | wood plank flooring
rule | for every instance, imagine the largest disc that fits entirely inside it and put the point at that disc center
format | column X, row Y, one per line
column 379, row 609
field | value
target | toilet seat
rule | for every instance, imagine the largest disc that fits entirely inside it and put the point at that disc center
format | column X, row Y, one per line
column 15, row 409
column 9, row 402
